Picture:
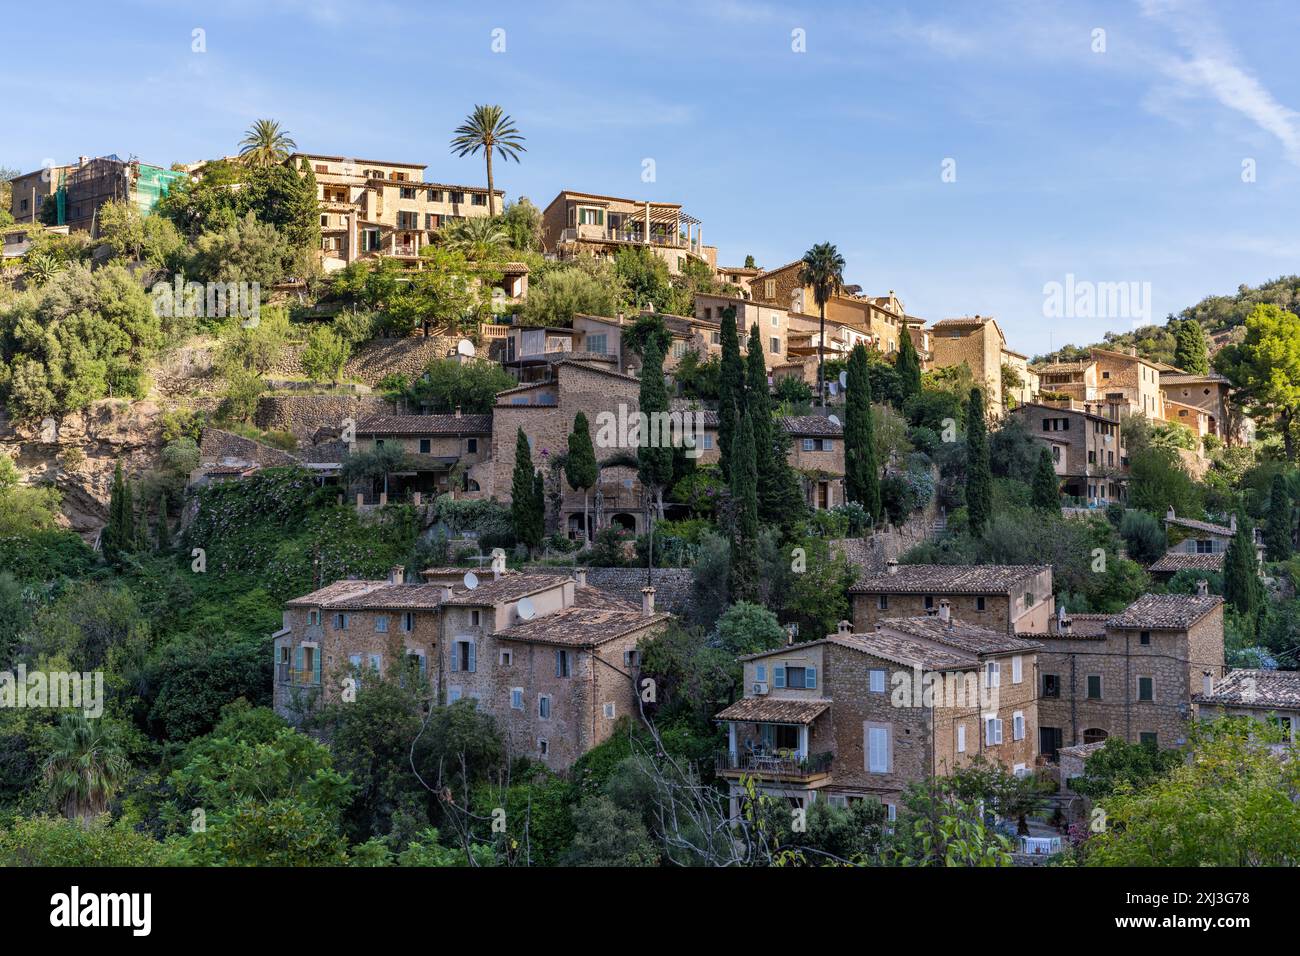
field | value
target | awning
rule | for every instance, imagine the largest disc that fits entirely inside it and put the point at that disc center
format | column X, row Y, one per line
column 775, row 710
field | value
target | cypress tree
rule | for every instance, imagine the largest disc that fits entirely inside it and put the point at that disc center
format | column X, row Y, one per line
column 654, row 453
column 861, row 470
column 525, row 514
column 164, row 530
column 744, row 504
column 1046, row 488
column 1190, row 348
column 1277, row 529
column 1241, row 585
column 119, row 534
column 539, row 506
column 731, row 388
column 908, row 366
column 580, row 466
column 979, row 479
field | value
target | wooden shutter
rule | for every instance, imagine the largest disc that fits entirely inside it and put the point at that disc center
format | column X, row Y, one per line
column 315, row 666
column 778, row 676
column 810, row 677
column 473, row 658
column 455, row 656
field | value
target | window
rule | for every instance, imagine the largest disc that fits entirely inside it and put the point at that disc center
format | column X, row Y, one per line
column 471, row 447
column 340, row 622
column 882, row 602
column 769, row 288
column 1029, row 599
column 563, row 664
column 506, row 658
column 598, row 343
column 544, row 706
column 478, row 199
column 313, row 616
column 543, row 747
column 457, row 197
column 426, row 445
column 961, row 738
column 992, row 731
column 1094, row 687
column 408, row 220
column 516, row 698
column 992, row 674
column 1018, row 726
column 760, row 673
column 1017, row 668
column 1146, row 689
column 375, row 662
column 679, row 349
column 878, row 755
column 715, row 338
column 979, row 603
column 381, row 623
column 929, row 601
column 463, row 656
column 877, row 681
column 408, row 621
column 1148, row 739
column 776, row 320
column 775, row 345
column 590, row 217
column 433, row 195
column 608, row 710
column 828, row 444
column 1144, row 637
column 799, row 677
column 706, row 442
column 632, row 658
column 807, row 444
column 407, row 192
column 1051, row 685
column 1204, row 546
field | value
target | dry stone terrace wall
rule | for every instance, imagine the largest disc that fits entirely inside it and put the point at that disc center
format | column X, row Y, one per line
column 304, row 415
column 377, row 358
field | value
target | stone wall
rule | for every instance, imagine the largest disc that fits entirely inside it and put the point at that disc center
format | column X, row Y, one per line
column 673, row 586
column 304, row 415
column 377, row 358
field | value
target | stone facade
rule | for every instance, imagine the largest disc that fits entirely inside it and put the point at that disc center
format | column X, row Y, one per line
column 978, row 342
column 1013, row 599
column 1088, row 451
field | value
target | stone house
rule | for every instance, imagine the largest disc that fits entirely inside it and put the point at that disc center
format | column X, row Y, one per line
column 817, row 453
column 1204, row 399
column 448, row 452
column 979, row 343
column 1170, row 563
column 1131, row 674
column 545, row 412
column 773, row 324
column 882, row 319
column 1088, row 452
column 552, row 660
column 371, row 208
column 858, row 716
column 1009, row 598
column 1272, row 696
column 1190, row 536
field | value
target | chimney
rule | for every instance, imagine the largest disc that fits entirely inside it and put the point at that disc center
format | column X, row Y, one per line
column 82, row 160
column 1169, row 515
column 397, row 574
column 1202, row 588
column 1207, row 683
column 1232, row 523
column 1065, row 626
column 647, row 602
column 580, row 577
column 945, row 611
column 458, row 411
column 844, row 627
column 891, row 566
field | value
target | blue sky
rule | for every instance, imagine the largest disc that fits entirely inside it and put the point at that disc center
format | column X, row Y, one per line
column 1115, row 166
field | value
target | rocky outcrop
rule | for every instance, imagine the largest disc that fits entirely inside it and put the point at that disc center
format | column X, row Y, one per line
column 78, row 453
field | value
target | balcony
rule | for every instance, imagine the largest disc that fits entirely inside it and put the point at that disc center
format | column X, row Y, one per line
column 285, row 674
column 777, row 765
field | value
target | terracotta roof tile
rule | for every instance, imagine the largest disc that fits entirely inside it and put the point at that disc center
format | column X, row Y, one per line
column 1165, row 611
column 1176, row 561
column 1256, row 688
column 776, row 709
column 950, row 579
column 580, row 627
column 426, row 425
column 810, row 425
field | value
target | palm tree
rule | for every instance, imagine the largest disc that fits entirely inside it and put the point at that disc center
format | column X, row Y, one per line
column 480, row 240
column 823, row 269
column 488, row 129
column 85, row 766
column 265, row 144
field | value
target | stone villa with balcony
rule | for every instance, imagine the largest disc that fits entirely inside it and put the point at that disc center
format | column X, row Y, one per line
column 1009, row 598
column 578, row 223
column 552, row 660
column 1131, row 674
column 370, row 208
column 448, row 452
column 860, row 715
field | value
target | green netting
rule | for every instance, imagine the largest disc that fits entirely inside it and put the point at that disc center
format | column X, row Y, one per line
column 152, row 184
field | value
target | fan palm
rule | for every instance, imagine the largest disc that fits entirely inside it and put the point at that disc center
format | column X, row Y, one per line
column 823, row 270
column 85, row 766
column 265, row 144
column 488, row 129
column 479, row 240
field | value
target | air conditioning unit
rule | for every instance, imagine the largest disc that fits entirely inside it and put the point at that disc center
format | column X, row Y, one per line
column 760, row 688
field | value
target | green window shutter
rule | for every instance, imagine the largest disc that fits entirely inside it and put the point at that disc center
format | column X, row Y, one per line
column 473, row 662
column 315, row 667
column 778, row 676
column 810, row 677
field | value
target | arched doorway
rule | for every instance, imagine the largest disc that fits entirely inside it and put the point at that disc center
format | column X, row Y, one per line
column 1094, row 735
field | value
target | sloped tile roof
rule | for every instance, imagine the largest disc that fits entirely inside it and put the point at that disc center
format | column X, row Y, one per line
column 776, row 710
column 508, row 587
column 580, row 627
column 959, row 635
column 1219, row 529
column 376, row 595
column 1176, row 561
column 426, row 425
column 1256, row 688
column 1165, row 611
column 811, row 425
column 950, row 579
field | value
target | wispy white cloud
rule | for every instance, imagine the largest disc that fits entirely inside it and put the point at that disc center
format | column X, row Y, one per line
column 1211, row 68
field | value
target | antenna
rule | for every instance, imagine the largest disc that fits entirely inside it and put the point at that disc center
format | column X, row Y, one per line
column 471, row 580
column 525, row 609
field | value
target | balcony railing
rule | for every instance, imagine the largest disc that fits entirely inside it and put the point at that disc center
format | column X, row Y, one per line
column 774, row 764
column 285, row 674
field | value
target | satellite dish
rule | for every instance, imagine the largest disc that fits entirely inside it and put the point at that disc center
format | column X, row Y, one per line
column 832, row 419
column 471, row 580
column 465, row 347
column 525, row 609
column 844, row 379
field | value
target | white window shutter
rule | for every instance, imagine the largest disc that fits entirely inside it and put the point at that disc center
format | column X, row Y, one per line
column 961, row 738
column 1017, row 669
column 778, row 676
